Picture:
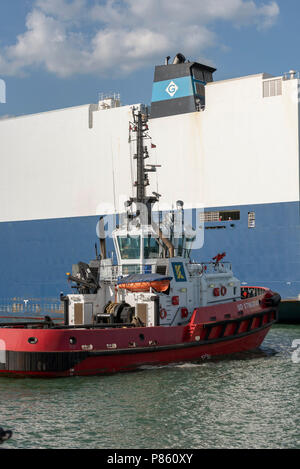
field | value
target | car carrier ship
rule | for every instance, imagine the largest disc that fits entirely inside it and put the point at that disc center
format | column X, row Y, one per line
column 228, row 148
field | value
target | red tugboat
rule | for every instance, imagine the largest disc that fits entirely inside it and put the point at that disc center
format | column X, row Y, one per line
column 153, row 308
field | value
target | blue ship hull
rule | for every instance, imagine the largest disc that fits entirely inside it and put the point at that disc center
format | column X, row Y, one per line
column 35, row 255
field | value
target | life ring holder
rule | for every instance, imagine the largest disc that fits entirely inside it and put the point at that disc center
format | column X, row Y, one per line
column 223, row 291
column 163, row 313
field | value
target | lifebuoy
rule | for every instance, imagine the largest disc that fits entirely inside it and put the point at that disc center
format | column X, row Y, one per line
column 163, row 313
column 223, row 291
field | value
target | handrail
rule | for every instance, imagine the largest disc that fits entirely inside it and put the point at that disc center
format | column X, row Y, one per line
column 252, row 292
column 209, row 267
column 113, row 272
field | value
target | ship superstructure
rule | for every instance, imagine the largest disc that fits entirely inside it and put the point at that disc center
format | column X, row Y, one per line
column 153, row 280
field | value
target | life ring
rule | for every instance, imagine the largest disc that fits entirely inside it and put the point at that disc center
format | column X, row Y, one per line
column 163, row 314
column 223, row 291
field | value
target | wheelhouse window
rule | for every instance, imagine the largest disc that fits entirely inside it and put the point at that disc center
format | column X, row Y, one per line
column 131, row 269
column 151, row 247
column 130, row 247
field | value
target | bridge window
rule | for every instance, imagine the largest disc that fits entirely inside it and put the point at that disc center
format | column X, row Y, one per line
column 151, row 247
column 130, row 247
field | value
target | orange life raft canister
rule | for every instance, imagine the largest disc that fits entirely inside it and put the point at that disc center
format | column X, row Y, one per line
column 143, row 282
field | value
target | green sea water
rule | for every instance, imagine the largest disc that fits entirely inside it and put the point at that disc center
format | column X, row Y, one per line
column 246, row 401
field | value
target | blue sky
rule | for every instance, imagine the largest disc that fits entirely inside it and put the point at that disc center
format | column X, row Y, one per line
column 60, row 53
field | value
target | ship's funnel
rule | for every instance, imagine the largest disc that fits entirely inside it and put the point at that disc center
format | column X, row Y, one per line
column 179, row 87
column 179, row 59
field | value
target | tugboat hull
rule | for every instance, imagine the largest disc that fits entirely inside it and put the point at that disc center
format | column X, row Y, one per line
column 62, row 352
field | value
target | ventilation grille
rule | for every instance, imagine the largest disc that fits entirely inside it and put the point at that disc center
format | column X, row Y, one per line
column 272, row 88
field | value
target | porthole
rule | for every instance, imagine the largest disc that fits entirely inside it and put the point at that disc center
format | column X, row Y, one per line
column 72, row 340
column 32, row 340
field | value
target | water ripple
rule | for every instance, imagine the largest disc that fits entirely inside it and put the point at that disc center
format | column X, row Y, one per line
column 248, row 401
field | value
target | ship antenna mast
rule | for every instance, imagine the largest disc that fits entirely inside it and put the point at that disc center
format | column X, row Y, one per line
column 142, row 153
column 140, row 127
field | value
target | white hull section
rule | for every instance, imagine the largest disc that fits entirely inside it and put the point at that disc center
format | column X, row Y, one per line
column 242, row 149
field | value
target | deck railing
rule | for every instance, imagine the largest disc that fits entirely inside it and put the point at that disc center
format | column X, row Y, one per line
column 251, row 292
column 111, row 273
column 209, row 268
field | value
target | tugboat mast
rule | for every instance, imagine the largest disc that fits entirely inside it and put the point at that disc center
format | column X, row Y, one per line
column 141, row 154
column 143, row 201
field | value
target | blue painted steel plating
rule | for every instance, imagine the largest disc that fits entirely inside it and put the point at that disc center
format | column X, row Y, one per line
column 35, row 255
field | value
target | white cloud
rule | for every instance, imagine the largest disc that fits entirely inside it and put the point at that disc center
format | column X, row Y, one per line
column 48, row 43
column 63, row 9
column 91, row 36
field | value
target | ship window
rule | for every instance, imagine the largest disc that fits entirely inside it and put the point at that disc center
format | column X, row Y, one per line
column 230, row 215
column 198, row 74
column 272, row 88
column 151, row 247
column 208, row 76
column 130, row 247
column 131, row 269
column 200, row 90
column 251, row 219
column 227, row 215
column 161, row 269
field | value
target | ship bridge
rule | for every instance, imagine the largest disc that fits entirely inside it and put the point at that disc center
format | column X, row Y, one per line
column 138, row 249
